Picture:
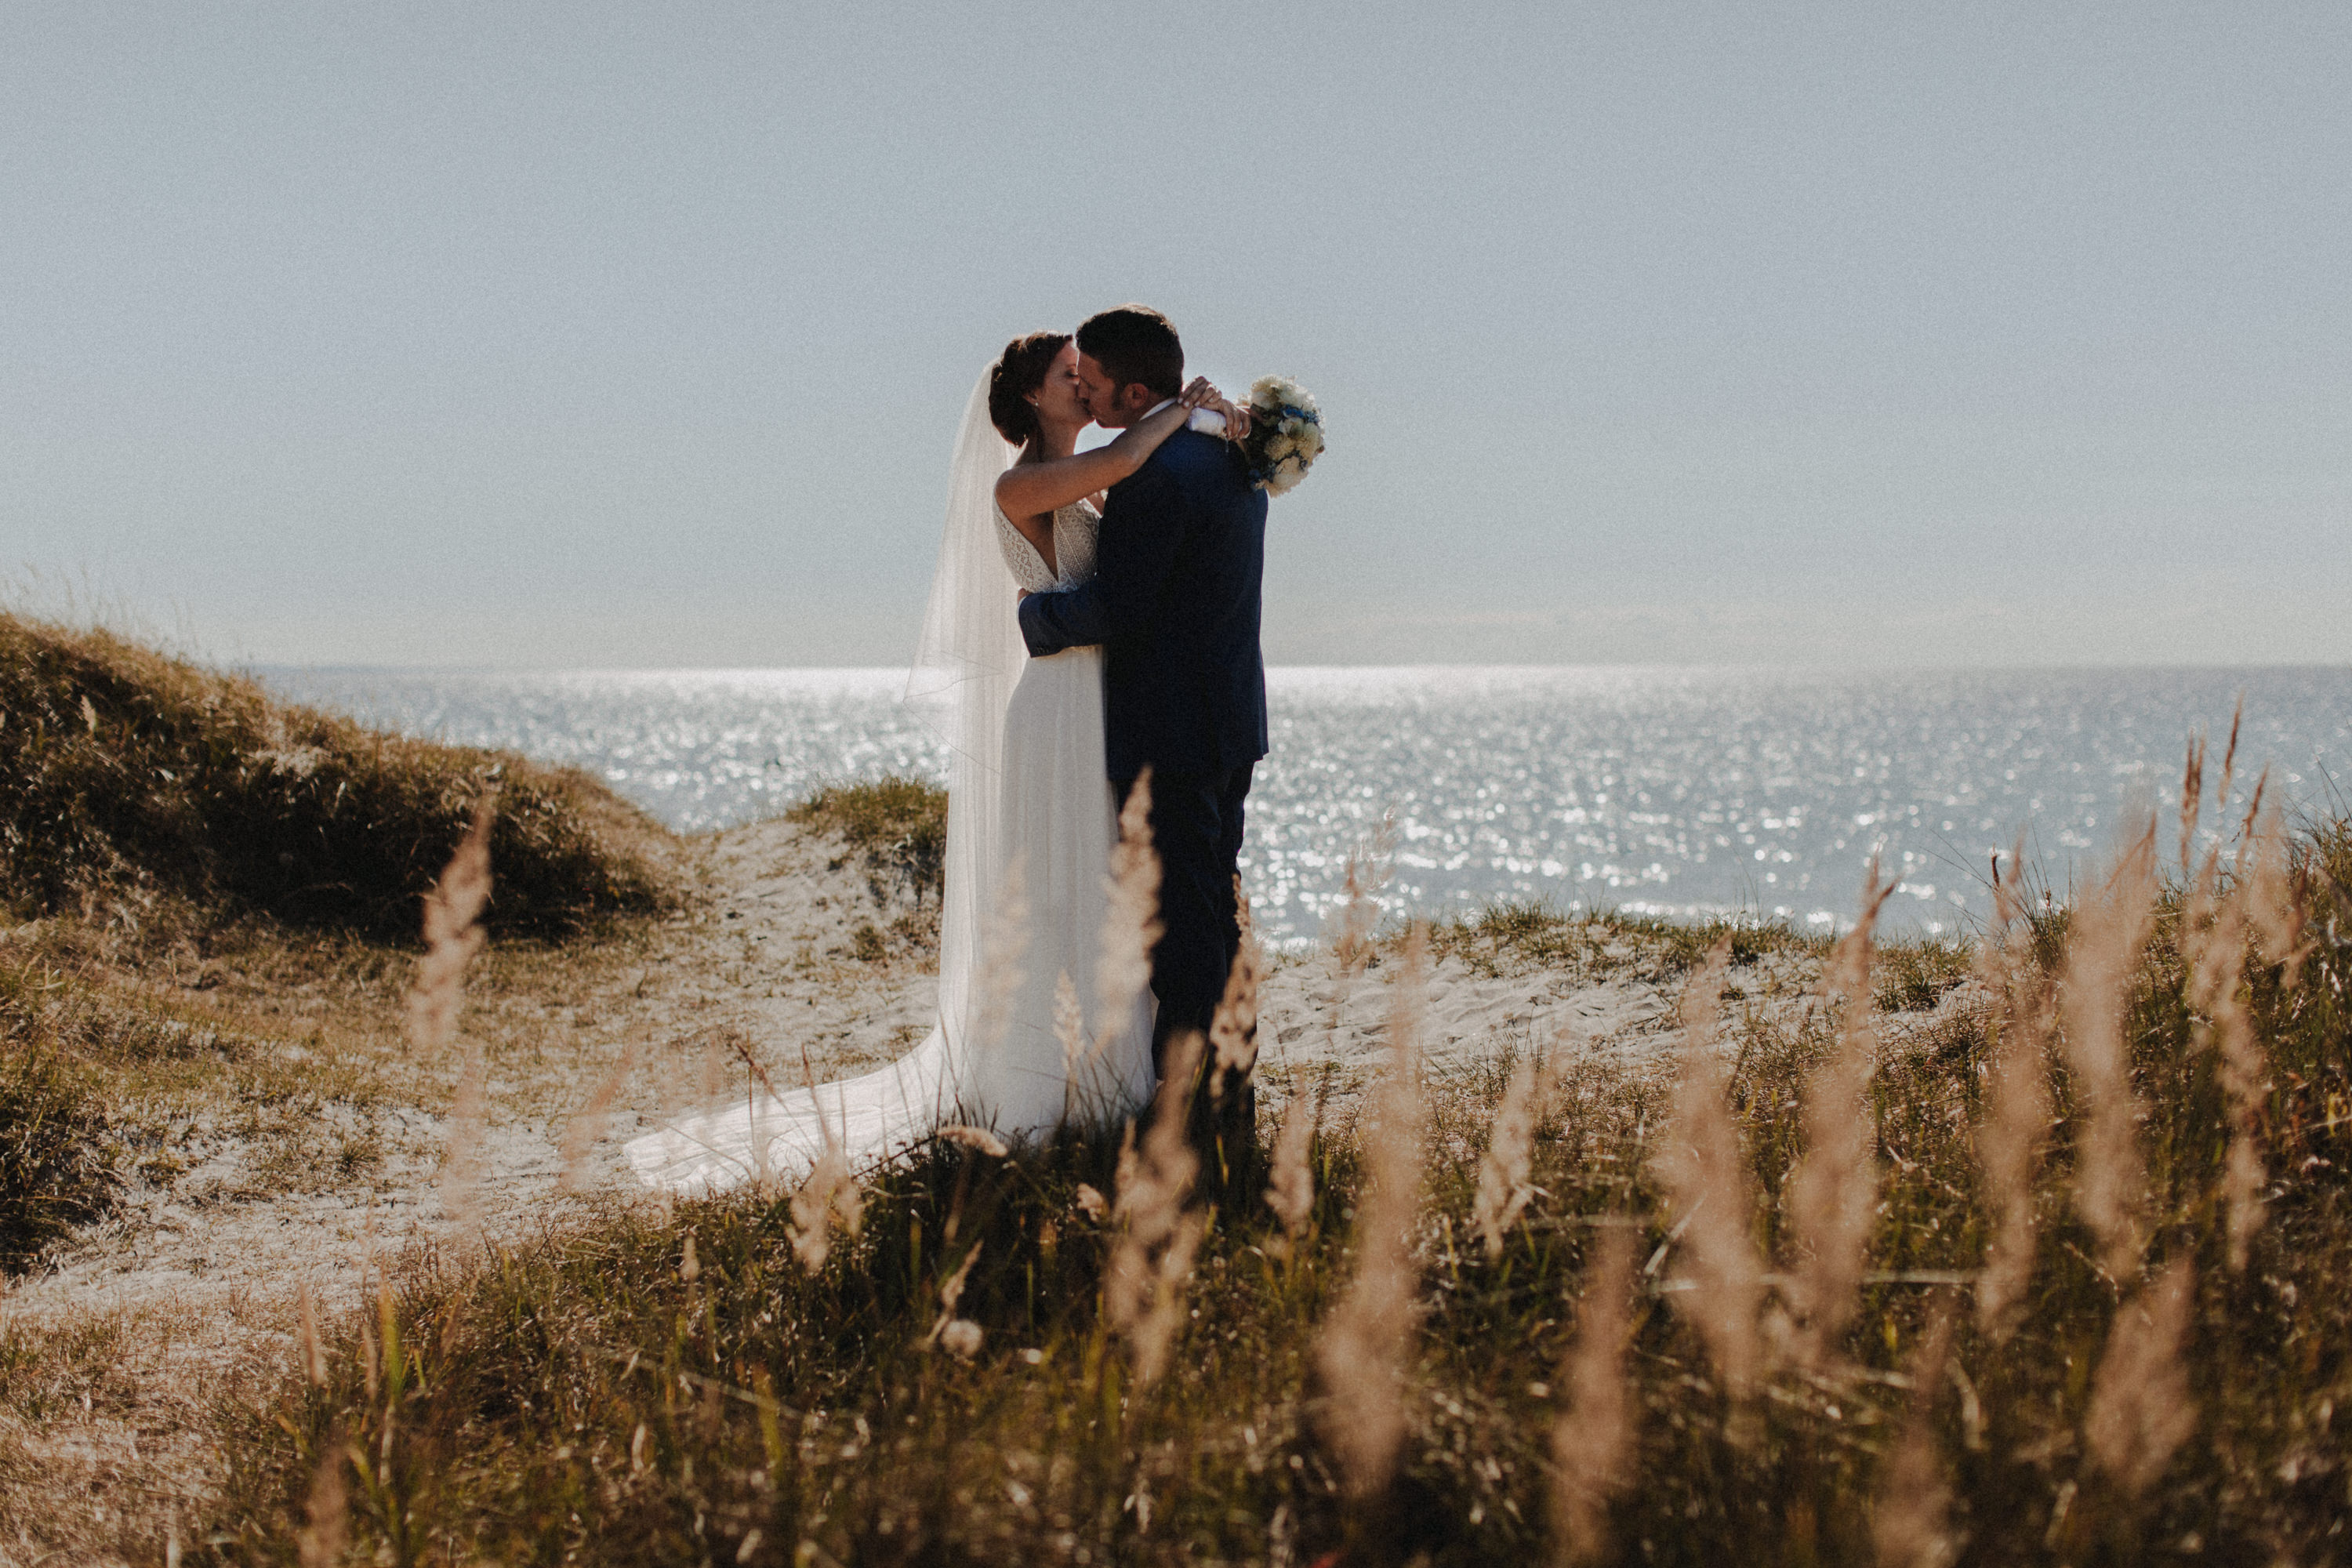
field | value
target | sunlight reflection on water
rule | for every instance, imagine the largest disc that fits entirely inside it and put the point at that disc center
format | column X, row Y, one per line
column 1675, row 792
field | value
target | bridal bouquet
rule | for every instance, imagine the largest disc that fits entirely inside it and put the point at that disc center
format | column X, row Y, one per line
column 1286, row 434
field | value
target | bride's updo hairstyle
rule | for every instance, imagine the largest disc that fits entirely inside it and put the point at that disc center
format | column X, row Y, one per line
column 1021, row 372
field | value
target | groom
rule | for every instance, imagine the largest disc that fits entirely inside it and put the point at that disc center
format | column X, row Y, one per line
column 1174, row 603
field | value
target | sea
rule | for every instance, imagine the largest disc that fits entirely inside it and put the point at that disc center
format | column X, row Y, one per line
column 1678, row 791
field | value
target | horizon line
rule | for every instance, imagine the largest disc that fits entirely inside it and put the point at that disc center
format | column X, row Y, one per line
column 1418, row 666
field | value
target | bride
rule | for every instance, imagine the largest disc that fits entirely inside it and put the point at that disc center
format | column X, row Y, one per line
column 1031, row 820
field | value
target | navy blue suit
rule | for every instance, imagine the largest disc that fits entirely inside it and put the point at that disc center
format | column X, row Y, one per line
column 1174, row 604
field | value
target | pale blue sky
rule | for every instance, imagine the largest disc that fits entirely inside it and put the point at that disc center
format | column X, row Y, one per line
column 487, row 333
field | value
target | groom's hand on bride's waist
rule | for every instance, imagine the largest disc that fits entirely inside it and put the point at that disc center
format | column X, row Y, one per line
column 1037, row 633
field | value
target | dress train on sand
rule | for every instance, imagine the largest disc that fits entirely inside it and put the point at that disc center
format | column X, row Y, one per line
column 1023, row 1040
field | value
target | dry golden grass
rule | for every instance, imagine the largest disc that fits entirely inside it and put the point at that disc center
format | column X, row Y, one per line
column 1593, row 1440
column 453, row 937
column 2215, row 930
column 1704, row 1174
column 225, row 1015
column 142, row 794
column 1831, row 1195
column 2109, row 930
column 1362, row 1352
column 1156, row 1224
column 1911, row 1526
column 1503, row 1186
column 1131, row 926
column 2141, row 1409
column 1290, row 1191
column 1233, row 1032
column 2011, row 1134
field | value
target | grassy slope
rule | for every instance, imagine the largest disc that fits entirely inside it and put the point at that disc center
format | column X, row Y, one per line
column 594, row 1397
column 128, row 777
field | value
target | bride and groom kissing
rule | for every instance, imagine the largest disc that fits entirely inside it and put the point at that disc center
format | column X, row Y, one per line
column 1089, row 646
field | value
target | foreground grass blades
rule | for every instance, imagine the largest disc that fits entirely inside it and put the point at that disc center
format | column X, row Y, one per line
column 648, row 1388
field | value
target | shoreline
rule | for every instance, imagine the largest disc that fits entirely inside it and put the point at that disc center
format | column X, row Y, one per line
column 1682, row 797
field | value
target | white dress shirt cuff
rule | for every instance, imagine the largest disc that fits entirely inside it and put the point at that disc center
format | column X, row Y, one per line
column 1207, row 421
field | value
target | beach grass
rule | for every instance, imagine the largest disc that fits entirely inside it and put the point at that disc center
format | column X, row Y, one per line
column 54, row 1172
column 1508, row 937
column 948, row 1385
column 897, row 825
column 138, row 789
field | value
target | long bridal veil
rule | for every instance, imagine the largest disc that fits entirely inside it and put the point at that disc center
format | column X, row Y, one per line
column 966, row 662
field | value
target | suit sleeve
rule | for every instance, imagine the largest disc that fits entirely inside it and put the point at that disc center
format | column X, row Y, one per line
column 1143, row 527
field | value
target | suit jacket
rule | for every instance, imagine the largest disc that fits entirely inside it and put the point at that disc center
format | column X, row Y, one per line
column 1175, row 602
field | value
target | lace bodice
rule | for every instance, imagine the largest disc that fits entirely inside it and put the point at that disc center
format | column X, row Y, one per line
column 1074, row 527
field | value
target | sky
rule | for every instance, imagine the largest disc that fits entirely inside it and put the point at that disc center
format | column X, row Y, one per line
column 493, row 334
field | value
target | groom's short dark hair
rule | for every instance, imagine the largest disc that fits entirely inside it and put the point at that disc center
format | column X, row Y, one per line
column 1135, row 344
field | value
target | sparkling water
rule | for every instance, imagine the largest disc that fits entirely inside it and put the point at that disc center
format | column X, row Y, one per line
column 1679, row 792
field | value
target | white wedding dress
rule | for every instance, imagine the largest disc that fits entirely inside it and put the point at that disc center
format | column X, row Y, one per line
column 1030, row 823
